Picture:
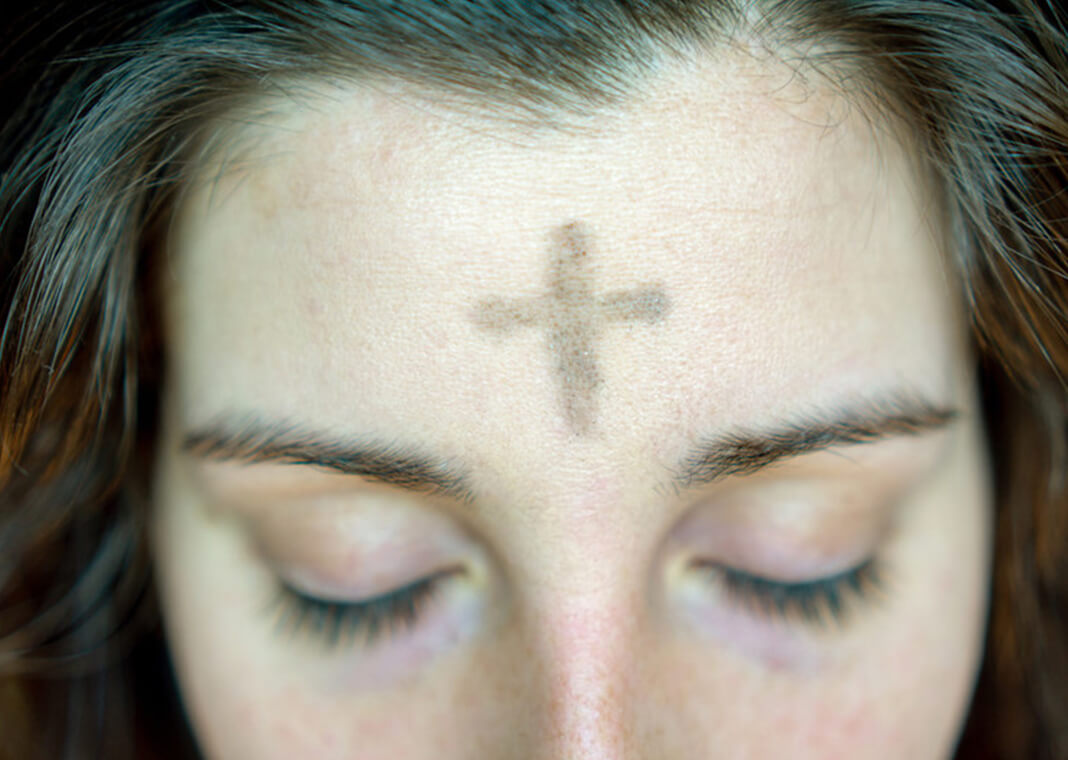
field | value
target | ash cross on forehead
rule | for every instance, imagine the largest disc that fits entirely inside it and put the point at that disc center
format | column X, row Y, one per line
column 574, row 317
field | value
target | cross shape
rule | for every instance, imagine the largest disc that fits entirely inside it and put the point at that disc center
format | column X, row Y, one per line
column 574, row 317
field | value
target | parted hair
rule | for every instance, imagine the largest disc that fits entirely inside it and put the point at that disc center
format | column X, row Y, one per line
column 111, row 106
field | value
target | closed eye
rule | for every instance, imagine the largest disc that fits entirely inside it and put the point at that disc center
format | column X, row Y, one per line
column 336, row 623
column 814, row 602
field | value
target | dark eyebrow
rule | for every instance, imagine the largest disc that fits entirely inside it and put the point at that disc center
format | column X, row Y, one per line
column 745, row 451
column 741, row 452
column 253, row 440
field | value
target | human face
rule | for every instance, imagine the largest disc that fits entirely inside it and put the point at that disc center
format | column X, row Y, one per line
column 540, row 367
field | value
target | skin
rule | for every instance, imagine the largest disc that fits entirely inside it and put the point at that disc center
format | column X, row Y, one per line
column 335, row 274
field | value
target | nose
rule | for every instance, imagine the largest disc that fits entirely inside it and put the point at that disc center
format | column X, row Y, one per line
column 586, row 659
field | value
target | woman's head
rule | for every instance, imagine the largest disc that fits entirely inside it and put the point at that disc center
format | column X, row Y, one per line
column 617, row 376
column 553, row 371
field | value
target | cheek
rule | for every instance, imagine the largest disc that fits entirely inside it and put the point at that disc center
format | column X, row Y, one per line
column 243, row 723
column 901, row 696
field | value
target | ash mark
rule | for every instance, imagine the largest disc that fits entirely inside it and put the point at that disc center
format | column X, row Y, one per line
column 574, row 316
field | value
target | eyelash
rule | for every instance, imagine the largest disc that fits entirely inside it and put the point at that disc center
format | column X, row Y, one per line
column 812, row 602
column 329, row 622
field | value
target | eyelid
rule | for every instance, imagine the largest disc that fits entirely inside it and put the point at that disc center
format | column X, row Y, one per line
column 347, row 551
column 791, row 530
column 296, row 612
column 814, row 601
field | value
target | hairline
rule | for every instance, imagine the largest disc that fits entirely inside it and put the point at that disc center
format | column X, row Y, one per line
column 229, row 136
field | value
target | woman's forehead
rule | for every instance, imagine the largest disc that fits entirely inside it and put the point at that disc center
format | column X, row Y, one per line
column 721, row 251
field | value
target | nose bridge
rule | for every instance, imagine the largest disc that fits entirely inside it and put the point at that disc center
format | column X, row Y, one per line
column 586, row 651
column 583, row 612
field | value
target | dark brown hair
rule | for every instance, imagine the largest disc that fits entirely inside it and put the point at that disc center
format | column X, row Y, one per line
column 116, row 103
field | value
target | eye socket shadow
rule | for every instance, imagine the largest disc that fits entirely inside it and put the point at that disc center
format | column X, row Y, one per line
column 574, row 316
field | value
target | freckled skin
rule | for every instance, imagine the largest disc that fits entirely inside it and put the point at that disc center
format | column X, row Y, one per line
column 575, row 317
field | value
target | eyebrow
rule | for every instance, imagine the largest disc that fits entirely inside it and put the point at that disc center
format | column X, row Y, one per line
column 253, row 440
column 745, row 451
column 866, row 420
